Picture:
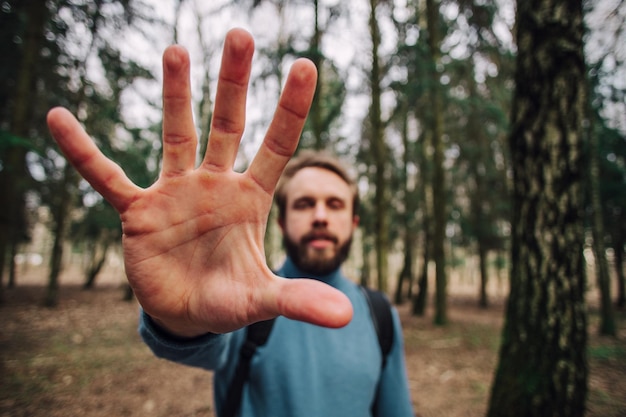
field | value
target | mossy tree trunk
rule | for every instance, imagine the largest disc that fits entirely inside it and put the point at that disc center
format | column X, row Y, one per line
column 542, row 367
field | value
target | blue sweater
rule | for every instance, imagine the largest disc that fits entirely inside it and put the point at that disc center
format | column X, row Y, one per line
column 303, row 370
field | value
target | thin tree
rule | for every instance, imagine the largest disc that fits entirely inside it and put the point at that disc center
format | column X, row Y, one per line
column 380, row 154
column 318, row 59
column 542, row 367
column 420, row 300
column 205, row 105
column 409, row 214
column 607, row 317
column 438, row 179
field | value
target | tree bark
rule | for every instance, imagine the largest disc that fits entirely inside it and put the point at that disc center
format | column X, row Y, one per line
column 607, row 317
column 14, row 175
column 421, row 298
column 380, row 157
column 315, row 114
column 542, row 368
column 483, row 298
column 97, row 259
column 478, row 196
column 61, row 216
column 619, row 270
column 409, row 215
column 438, row 183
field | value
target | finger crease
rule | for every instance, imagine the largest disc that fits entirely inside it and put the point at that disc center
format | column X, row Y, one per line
column 176, row 139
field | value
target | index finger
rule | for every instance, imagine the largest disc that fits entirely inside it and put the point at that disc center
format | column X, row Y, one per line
column 283, row 134
column 104, row 175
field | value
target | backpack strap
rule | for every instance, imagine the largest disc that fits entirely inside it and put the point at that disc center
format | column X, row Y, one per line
column 380, row 308
column 256, row 336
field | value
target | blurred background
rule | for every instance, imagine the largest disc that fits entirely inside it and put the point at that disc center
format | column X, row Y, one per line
column 422, row 166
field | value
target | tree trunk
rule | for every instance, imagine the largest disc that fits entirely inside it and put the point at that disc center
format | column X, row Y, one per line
column 438, row 183
column 366, row 268
column 61, row 219
column 14, row 175
column 607, row 318
column 380, row 158
column 409, row 214
column 406, row 275
column 205, row 106
column 542, row 367
column 96, row 261
column 483, row 300
column 477, row 160
column 619, row 269
column 421, row 298
column 315, row 114
column 13, row 266
column 128, row 293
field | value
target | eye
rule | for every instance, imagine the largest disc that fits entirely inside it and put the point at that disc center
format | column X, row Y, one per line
column 336, row 203
column 302, row 203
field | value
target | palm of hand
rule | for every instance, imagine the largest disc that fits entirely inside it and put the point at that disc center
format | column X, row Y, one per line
column 184, row 260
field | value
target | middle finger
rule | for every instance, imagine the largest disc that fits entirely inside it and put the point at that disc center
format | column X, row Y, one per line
column 229, row 115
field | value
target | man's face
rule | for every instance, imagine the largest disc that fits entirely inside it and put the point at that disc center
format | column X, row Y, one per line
column 319, row 220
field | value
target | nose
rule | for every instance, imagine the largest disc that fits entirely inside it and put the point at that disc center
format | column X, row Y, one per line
column 320, row 214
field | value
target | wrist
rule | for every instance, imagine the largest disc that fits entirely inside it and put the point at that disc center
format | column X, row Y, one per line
column 180, row 332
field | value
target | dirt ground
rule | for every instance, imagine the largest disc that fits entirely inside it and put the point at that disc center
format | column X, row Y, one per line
column 84, row 358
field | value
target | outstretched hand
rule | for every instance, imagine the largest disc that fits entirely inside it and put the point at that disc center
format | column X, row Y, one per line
column 193, row 241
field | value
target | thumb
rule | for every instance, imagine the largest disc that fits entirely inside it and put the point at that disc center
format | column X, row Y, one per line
column 313, row 302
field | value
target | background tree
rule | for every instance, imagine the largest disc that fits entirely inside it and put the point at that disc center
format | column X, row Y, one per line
column 96, row 232
column 438, row 179
column 607, row 317
column 380, row 154
column 607, row 66
column 23, row 28
column 408, row 117
column 612, row 172
column 479, row 74
column 542, row 363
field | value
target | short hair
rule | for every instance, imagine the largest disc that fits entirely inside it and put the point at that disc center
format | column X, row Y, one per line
column 314, row 159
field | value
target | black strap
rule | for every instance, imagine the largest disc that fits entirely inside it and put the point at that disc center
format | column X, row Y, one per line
column 256, row 335
column 380, row 308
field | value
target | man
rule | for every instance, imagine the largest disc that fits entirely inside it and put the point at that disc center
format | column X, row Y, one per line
column 193, row 252
column 306, row 370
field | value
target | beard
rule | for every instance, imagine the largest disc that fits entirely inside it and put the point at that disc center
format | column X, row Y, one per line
column 317, row 262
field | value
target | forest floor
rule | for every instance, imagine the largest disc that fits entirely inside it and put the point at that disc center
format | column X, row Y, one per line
column 84, row 358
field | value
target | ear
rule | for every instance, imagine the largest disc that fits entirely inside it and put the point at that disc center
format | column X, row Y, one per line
column 355, row 221
column 281, row 224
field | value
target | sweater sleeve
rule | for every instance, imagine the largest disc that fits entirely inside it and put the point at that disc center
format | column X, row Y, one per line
column 208, row 351
column 393, row 391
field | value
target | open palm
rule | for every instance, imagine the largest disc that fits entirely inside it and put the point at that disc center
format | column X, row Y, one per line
column 193, row 241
